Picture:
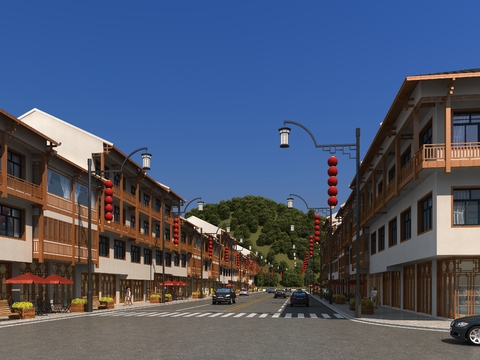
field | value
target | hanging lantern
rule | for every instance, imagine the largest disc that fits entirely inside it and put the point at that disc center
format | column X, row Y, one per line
column 317, row 228
column 108, row 192
column 176, row 227
column 332, row 181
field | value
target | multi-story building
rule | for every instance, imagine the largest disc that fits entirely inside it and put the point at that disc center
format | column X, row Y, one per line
column 46, row 219
column 420, row 201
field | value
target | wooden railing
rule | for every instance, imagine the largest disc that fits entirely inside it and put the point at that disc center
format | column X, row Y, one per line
column 24, row 189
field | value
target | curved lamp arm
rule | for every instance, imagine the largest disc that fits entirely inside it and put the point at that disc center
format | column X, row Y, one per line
column 186, row 206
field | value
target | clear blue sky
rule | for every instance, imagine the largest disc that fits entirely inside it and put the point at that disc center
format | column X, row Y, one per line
column 206, row 84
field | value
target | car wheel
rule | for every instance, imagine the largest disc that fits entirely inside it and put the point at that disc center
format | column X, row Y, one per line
column 473, row 335
column 213, row 302
column 234, row 301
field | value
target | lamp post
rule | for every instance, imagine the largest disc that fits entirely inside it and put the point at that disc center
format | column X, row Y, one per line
column 146, row 157
column 200, row 208
column 353, row 151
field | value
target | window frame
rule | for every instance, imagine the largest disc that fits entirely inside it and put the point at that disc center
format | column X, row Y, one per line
column 117, row 248
column 392, row 232
column 422, row 212
column 406, row 224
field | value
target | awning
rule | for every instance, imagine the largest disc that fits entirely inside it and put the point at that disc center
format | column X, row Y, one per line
column 27, row 278
column 57, row 279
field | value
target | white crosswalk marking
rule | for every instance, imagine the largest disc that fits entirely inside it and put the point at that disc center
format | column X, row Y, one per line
column 338, row 316
column 251, row 315
column 239, row 315
column 288, row 315
column 326, row 316
column 215, row 315
column 227, row 315
column 264, row 315
column 181, row 314
column 192, row 314
column 301, row 316
column 205, row 314
column 276, row 315
column 313, row 316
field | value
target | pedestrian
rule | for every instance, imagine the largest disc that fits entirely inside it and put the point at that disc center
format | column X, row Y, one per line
column 373, row 295
column 130, row 296
column 127, row 294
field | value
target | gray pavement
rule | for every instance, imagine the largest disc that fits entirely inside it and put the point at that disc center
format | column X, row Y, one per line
column 390, row 316
column 384, row 316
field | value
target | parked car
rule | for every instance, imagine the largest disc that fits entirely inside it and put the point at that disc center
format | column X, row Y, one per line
column 224, row 295
column 299, row 297
column 288, row 289
column 270, row 290
column 243, row 292
column 466, row 328
column 279, row 293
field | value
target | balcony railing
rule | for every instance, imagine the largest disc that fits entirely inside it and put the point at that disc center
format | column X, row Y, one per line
column 24, row 189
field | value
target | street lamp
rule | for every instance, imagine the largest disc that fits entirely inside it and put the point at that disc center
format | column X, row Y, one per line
column 346, row 149
column 146, row 157
column 200, row 208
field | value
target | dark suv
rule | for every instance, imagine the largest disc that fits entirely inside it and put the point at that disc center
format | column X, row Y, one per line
column 224, row 295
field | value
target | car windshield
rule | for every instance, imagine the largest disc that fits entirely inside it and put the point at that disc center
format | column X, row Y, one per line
column 223, row 290
column 299, row 293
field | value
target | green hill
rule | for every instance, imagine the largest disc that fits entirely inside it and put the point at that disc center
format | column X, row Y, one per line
column 265, row 226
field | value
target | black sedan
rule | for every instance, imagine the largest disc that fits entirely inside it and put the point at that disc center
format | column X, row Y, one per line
column 279, row 293
column 466, row 328
column 299, row 297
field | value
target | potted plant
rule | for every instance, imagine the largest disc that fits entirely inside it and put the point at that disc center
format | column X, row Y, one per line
column 351, row 305
column 339, row 299
column 195, row 294
column 78, row 305
column 168, row 297
column 25, row 309
column 155, row 298
column 107, row 301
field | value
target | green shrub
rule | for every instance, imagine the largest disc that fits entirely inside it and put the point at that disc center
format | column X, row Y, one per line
column 367, row 302
column 155, row 296
column 339, row 297
column 22, row 305
column 107, row 299
column 80, row 301
column 168, row 295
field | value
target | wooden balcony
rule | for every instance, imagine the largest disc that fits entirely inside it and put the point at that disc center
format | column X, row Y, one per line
column 23, row 189
column 461, row 155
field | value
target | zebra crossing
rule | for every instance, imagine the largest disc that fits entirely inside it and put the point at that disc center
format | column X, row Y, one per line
column 185, row 314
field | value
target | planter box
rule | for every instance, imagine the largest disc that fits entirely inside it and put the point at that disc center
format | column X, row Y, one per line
column 155, row 300
column 339, row 301
column 78, row 307
column 108, row 305
column 168, row 299
column 368, row 310
column 194, row 296
column 26, row 313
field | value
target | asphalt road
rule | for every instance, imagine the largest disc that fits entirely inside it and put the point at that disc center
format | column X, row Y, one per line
column 172, row 332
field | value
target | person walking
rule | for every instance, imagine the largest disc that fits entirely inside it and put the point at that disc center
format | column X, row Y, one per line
column 130, row 296
column 373, row 295
column 127, row 295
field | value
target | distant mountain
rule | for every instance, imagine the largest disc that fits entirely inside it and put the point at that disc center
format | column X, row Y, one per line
column 265, row 225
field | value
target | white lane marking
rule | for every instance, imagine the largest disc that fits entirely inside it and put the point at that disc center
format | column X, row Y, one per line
column 326, row 316
column 288, row 316
column 227, row 315
column 301, row 316
column 251, row 315
column 276, row 315
column 339, row 316
column 314, row 316
column 239, row 315
column 264, row 315
column 181, row 314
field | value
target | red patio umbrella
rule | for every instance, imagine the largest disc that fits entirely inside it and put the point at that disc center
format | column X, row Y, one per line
column 57, row 279
column 27, row 278
column 167, row 283
column 230, row 285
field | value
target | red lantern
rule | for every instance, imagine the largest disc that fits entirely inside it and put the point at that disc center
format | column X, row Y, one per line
column 108, row 200
column 238, row 259
column 176, row 230
column 226, row 254
column 317, row 227
column 332, row 181
column 210, row 246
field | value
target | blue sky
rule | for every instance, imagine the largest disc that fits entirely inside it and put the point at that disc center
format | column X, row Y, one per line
column 206, row 84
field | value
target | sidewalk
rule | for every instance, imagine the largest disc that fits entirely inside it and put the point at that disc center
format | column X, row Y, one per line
column 390, row 316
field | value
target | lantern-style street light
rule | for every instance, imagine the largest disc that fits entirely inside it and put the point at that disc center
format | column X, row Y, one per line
column 146, row 157
column 353, row 151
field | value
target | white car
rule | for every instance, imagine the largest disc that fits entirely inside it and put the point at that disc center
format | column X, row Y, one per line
column 243, row 292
